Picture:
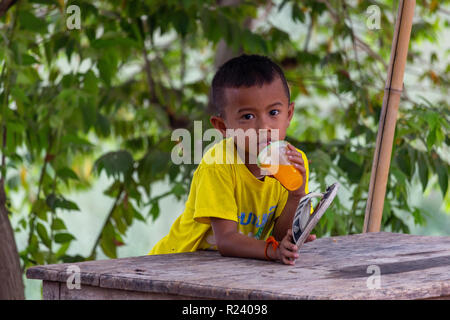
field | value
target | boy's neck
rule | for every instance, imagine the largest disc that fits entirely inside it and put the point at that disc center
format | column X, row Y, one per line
column 255, row 170
column 252, row 167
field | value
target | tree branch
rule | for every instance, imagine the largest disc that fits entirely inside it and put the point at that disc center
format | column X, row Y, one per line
column 97, row 241
column 175, row 121
column 308, row 35
column 5, row 5
column 364, row 46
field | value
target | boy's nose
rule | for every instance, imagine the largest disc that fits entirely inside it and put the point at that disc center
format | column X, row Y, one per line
column 265, row 133
column 264, row 125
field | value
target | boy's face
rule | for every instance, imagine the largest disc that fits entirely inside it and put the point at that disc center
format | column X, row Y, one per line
column 264, row 109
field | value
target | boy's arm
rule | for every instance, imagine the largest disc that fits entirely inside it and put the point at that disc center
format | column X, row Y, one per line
column 232, row 243
column 284, row 221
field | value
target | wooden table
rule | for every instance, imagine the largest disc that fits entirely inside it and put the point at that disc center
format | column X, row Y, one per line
column 346, row 267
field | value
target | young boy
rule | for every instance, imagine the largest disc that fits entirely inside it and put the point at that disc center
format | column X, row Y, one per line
column 231, row 206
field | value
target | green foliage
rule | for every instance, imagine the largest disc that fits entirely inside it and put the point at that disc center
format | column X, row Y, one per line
column 123, row 77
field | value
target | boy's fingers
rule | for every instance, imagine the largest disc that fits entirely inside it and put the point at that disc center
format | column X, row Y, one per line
column 289, row 251
column 289, row 234
column 291, row 247
column 300, row 168
column 290, row 146
column 297, row 162
column 290, row 260
column 287, row 261
column 291, row 239
column 295, row 157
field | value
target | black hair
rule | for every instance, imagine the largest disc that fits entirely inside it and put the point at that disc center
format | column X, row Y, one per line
column 243, row 71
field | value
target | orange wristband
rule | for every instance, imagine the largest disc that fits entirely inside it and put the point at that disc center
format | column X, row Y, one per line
column 271, row 240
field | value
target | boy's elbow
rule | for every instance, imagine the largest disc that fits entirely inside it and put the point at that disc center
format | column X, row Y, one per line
column 224, row 246
column 223, row 252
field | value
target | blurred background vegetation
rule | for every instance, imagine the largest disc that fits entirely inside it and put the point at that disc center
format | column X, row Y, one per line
column 87, row 114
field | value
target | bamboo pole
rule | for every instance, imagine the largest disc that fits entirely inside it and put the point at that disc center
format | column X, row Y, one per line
column 388, row 118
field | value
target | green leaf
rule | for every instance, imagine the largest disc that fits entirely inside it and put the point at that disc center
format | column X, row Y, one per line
column 42, row 232
column 211, row 28
column 117, row 217
column 386, row 211
column 40, row 208
column 38, row 257
column 431, row 138
column 128, row 213
column 67, row 204
column 297, row 13
column 90, row 83
column 107, row 241
column 403, row 159
column 138, row 216
column 64, row 237
column 30, row 22
column 113, row 41
column 28, row 60
column 58, row 224
column 180, row 21
column 442, row 170
column 73, row 140
column 102, row 126
column 115, row 163
column 107, row 65
column 353, row 170
column 19, row 95
column 57, row 201
column 154, row 165
column 399, row 176
column 154, row 211
column 178, row 190
column 422, row 163
column 66, row 173
column 89, row 112
column 113, row 189
column 418, row 217
column 63, row 249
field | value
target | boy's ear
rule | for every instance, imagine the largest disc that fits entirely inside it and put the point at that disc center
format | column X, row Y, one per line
column 219, row 124
column 290, row 111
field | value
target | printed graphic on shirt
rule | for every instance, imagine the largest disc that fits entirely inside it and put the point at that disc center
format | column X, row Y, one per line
column 253, row 224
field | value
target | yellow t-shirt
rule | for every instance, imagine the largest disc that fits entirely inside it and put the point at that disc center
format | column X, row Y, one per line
column 225, row 189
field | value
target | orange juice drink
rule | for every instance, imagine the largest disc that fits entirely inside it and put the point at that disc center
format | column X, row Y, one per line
column 288, row 176
column 274, row 161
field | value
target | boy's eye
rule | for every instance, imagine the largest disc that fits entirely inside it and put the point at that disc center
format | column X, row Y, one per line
column 248, row 116
column 274, row 112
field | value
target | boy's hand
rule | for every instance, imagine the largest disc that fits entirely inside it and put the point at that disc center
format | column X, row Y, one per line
column 287, row 251
column 296, row 158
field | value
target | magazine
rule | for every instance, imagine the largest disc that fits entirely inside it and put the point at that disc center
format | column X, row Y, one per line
column 304, row 221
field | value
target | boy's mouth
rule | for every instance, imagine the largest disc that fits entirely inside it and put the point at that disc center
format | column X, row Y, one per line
column 264, row 142
column 262, row 145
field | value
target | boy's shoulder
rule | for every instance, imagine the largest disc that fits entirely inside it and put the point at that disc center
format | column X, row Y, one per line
column 222, row 153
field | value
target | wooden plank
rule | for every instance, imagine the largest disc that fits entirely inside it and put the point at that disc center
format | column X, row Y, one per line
column 50, row 290
column 411, row 267
column 87, row 292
